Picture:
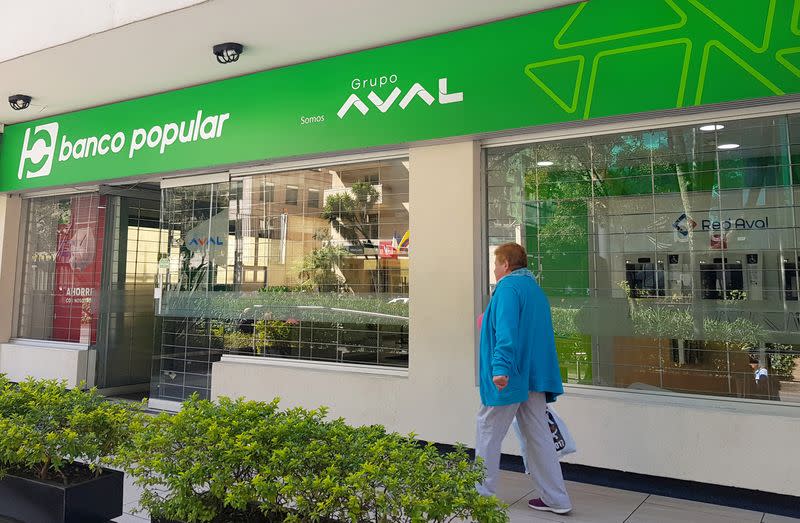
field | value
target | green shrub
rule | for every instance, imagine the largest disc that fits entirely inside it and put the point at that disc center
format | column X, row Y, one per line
column 198, row 464
column 233, row 460
column 45, row 428
column 370, row 476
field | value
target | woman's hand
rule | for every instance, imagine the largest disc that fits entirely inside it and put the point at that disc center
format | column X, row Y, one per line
column 500, row 382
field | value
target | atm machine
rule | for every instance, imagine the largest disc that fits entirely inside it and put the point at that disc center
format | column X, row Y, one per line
column 731, row 276
column 718, row 275
column 645, row 276
column 791, row 279
column 790, row 286
column 651, row 275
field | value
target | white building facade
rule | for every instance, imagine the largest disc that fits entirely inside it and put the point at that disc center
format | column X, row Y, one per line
column 323, row 232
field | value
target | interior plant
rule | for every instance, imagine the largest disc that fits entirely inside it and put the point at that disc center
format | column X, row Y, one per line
column 236, row 460
column 783, row 360
column 673, row 319
column 50, row 432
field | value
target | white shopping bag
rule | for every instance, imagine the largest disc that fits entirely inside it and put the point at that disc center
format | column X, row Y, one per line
column 562, row 438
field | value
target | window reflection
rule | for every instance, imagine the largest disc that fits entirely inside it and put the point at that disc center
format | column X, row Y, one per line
column 669, row 255
column 61, row 268
column 309, row 264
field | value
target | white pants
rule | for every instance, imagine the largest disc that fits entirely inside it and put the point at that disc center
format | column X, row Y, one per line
column 541, row 458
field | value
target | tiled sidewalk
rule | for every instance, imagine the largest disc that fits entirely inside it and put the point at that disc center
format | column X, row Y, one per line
column 592, row 504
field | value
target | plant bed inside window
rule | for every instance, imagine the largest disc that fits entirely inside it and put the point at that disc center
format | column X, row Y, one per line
column 52, row 443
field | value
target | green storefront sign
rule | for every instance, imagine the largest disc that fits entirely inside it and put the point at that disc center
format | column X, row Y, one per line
column 588, row 60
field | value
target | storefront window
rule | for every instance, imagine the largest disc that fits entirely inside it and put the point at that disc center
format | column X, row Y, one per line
column 61, row 267
column 318, row 272
column 670, row 256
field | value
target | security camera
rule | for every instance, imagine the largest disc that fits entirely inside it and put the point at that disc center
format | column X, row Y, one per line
column 19, row 102
column 228, row 52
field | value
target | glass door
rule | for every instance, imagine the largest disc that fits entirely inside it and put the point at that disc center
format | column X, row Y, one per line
column 127, row 319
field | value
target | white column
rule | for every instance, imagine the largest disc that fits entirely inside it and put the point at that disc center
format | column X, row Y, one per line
column 10, row 214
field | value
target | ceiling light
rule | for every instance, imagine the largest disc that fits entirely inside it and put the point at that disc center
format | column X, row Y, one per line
column 712, row 127
column 228, row 52
column 544, row 163
column 727, row 146
column 19, row 102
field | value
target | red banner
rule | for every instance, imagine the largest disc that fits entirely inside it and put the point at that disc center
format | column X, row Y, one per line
column 387, row 250
column 79, row 262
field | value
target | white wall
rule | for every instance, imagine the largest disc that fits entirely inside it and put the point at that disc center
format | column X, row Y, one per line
column 10, row 212
column 48, row 360
column 725, row 442
column 27, row 27
column 747, row 445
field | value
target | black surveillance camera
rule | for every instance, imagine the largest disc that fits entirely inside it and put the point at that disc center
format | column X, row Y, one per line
column 228, row 52
column 19, row 102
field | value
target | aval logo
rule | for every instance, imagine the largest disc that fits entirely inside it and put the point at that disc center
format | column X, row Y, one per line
column 684, row 224
column 738, row 224
column 383, row 105
column 38, row 151
column 200, row 242
column 207, row 240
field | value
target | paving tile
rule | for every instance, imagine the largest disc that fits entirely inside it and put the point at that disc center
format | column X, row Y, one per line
column 597, row 489
column 130, row 492
column 772, row 518
column 127, row 518
column 132, row 508
column 513, row 486
column 526, row 517
column 736, row 514
column 607, row 506
column 655, row 513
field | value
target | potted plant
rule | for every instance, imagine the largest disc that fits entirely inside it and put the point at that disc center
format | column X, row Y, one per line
column 52, row 443
column 247, row 461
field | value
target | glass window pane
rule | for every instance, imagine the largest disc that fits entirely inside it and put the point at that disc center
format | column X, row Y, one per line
column 670, row 256
column 320, row 275
column 61, row 268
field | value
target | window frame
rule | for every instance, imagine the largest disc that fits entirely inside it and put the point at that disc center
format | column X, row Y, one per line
column 316, row 199
column 296, row 190
column 271, row 192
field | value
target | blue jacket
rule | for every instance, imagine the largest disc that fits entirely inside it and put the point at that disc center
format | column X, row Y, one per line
column 517, row 341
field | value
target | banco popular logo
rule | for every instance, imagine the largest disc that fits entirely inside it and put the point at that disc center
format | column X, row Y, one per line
column 684, row 224
column 384, row 104
column 38, row 151
column 44, row 146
